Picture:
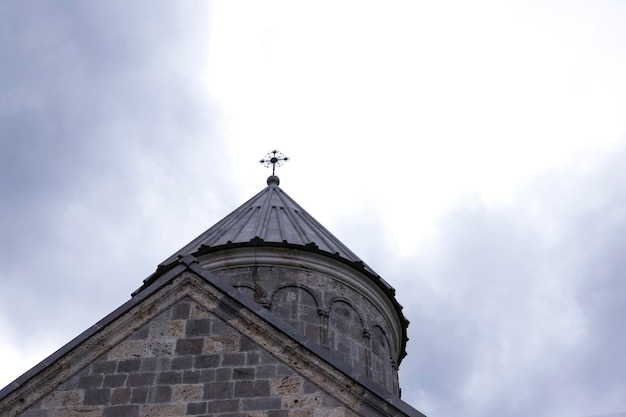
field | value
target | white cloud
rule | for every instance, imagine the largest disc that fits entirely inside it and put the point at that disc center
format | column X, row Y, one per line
column 469, row 152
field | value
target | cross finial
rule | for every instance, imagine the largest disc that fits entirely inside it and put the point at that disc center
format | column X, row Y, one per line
column 274, row 158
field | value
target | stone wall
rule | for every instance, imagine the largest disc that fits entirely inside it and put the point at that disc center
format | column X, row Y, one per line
column 326, row 311
column 187, row 362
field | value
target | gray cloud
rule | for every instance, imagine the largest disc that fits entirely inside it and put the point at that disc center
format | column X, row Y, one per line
column 99, row 102
column 111, row 161
column 517, row 309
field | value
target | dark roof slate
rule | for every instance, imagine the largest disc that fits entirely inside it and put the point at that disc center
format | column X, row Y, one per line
column 271, row 216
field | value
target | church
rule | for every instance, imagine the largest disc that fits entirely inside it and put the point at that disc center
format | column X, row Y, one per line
column 265, row 314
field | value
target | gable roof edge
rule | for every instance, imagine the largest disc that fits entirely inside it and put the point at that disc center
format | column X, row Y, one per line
column 165, row 278
column 353, row 390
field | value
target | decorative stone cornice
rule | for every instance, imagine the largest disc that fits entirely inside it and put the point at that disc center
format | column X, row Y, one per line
column 295, row 258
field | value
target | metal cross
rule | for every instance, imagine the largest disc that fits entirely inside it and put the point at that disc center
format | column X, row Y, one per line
column 274, row 159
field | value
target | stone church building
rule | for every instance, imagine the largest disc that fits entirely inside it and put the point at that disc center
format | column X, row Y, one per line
column 265, row 314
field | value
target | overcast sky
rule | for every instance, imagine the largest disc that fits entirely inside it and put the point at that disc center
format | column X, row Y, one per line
column 472, row 153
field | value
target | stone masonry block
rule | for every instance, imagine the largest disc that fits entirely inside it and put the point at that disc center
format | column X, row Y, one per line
column 218, row 327
column 153, row 364
column 163, row 410
column 221, row 343
column 283, row 370
column 266, row 359
column 187, row 393
column 160, row 394
column 260, row 403
column 181, row 362
column 244, row 373
column 104, row 367
column 114, row 381
column 309, row 387
column 332, row 412
column 328, row 401
column 159, row 347
column 247, row 345
column 84, row 411
column 188, row 346
column 222, row 406
column 218, row 390
column 168, row 328
column 70, row 384
column 121, row 411
column 90, row 381
column 287, row 385
column 140, row 334
column 300, row 413
column 198, row 312
column 252, row 358
column 223, row 374
column 301, row 401
column 207, row 361
column 252, row 388
column 198, row 327
column 127, row 349
column 139, row 395
column 129, row 365
column 196, row 408
column 170, row 378
column 191, row 377
column 278, row 413
column 181, row 311
column 265, row 371
column 230, row 414
column 34, row 412
column 175, row 328
column 140, row 380
column 120, row 396
column 100, row 396
column 208, row 375
column 63, row 399
column 233, row 359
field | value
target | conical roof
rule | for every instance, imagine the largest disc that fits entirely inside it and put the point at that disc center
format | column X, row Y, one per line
column 270, row 217
column 273, row 219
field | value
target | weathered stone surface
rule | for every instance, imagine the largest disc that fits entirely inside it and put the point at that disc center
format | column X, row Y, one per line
column 134, row 379
column 76, row 412
column 127, row 349
column 221, row 343
column 187, row 393
column 309, row 401
column 64, row 399
column 211, row 369
column 163, row 410
column 286, row 385
column 332, row 412
column 326, row 311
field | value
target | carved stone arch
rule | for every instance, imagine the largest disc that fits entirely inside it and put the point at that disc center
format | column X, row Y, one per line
column 346, row 333
column 298, row 306
column 246, row 290
column 299, row 286
column 382, row 345
column 351, row 304
column 382, row 369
